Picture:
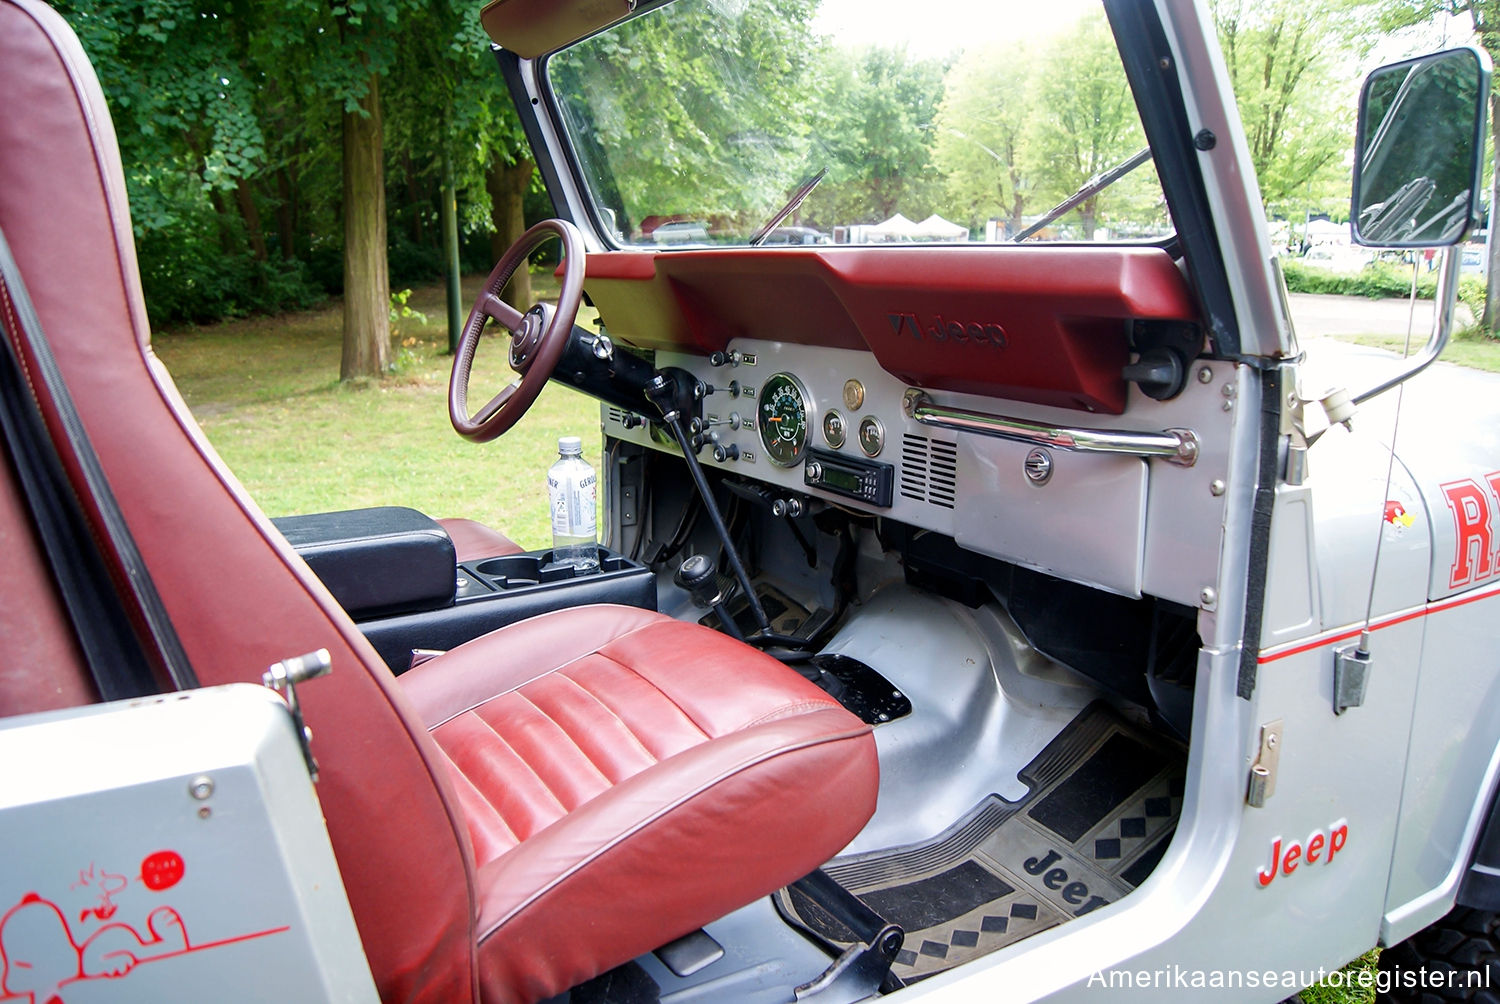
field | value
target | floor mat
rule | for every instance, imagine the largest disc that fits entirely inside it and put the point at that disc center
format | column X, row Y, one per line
column 1104, row 801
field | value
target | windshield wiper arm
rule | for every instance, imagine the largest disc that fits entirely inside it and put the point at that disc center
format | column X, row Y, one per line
column 1094, row 185
column 803, row 191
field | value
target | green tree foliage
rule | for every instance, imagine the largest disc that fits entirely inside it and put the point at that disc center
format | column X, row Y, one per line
column 1290, row 62
column 982, row 124
column 693, row 111
column 1084, row 123
column 230, row 116
column 878, row 109
column 189, row 107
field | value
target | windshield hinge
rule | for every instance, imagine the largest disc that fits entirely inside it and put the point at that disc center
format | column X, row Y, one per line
column 1263, row 770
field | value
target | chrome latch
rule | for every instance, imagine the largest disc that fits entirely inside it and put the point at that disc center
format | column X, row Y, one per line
column 1263, row 770
column 283, row 678
column 1351, row 673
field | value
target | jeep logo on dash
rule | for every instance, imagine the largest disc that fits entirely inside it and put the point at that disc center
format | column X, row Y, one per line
column 942, row 329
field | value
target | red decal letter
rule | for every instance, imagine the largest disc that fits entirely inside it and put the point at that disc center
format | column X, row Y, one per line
column 1472, row 557
column 1266, row 877
column 1314, row 847
column 162, row 870
column 1293, row 857
column 1338, row 836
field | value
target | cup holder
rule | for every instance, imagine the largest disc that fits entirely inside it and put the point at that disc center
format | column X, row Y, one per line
column 515, row 571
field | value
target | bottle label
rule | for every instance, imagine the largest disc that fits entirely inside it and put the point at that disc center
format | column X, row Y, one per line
column 574, row 505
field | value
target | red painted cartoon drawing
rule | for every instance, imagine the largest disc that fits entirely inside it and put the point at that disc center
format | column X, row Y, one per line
column 41, row 953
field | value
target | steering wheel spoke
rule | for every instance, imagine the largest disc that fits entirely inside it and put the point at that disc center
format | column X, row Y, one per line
column 537, row 336
column 499, row 401
column 499, row 311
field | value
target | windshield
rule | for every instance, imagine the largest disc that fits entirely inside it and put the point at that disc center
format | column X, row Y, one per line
column 701, row 122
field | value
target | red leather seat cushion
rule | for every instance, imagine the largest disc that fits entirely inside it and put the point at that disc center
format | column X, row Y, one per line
column 628, row 778
column 473, row 541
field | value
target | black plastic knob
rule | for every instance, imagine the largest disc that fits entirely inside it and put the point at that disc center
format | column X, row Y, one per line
column 697, row 575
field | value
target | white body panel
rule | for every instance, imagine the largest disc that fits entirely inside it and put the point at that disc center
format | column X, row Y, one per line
column 170, row 848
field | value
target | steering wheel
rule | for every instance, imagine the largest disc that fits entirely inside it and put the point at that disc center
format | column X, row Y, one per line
column 537, row 337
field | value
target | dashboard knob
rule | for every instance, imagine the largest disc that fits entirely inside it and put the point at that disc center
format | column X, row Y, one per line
column 814, row 471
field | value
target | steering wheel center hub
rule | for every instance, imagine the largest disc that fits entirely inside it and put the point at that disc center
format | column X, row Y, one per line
column 527, row 337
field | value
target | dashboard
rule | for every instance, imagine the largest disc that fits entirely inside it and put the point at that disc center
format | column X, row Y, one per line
column 810, row 356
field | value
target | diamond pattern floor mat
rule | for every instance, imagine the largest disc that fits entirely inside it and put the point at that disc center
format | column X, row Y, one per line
column 1104, row 801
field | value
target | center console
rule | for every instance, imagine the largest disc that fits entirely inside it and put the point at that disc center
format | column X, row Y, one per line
column 394, row 571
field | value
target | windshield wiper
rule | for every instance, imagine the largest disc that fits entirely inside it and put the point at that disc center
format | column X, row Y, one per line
column 1093, row 186
column 803, row 191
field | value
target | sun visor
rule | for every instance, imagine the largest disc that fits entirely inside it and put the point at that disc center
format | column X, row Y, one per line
column 530, row 28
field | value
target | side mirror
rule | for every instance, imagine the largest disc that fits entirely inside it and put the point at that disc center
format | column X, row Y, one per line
column 1417, row 155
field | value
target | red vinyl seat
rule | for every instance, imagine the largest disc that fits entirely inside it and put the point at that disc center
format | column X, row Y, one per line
column 517, row 815
column 630, row 776
column 473, row 541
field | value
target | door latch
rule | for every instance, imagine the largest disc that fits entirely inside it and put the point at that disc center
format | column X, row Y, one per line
column 283, row 678
column 1263, row 771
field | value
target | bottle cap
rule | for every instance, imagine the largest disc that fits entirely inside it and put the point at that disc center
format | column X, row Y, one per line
column 570, row 444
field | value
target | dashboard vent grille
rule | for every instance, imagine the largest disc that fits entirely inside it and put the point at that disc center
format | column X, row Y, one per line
column 929, row 470
column 616, row 416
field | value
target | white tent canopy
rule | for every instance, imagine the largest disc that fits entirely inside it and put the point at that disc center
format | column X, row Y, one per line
column 935, row 228
column 1327, row 232
column 899, row 228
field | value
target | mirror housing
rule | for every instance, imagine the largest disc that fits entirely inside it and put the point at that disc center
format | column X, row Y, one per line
column 531, row 28
column 1417, row 154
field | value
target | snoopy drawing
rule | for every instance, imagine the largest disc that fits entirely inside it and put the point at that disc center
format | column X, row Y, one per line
column 41, row 956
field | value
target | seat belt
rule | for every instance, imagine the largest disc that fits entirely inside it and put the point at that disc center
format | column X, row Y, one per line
column 123, row 663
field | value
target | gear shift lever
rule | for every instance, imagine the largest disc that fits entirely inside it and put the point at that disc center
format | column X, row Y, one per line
column 697, row 575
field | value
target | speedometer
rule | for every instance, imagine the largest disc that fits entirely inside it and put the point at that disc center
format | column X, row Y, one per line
column 782, row 419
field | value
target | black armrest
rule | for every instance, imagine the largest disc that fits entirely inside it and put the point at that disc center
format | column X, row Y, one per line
column 377, row 562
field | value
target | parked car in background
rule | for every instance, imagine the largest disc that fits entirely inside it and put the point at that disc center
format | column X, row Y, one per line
column 1337, row 257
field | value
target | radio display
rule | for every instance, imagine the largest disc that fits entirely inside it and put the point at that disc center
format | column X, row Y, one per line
column 836, row 478
column 866, row 481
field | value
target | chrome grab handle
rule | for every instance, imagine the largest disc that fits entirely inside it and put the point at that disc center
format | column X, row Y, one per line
column 1175, row 446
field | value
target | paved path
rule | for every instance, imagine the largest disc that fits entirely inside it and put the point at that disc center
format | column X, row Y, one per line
column 1318, row 314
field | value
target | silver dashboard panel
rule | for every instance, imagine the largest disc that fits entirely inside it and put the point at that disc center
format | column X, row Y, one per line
column 1090, row 523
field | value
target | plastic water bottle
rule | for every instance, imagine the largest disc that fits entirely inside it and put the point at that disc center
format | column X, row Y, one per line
column 573, row 488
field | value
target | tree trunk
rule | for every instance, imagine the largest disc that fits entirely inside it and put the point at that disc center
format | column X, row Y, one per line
column 286, row 215
column 245, row 199
column 1088, row 214
column 508, row 184
column 1490, row 323
column 367, row 294
column 227, row 242
column 450, row 254
column 415, row 202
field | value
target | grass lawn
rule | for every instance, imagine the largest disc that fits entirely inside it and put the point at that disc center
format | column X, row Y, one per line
column 1467, row 348
column 267, row 393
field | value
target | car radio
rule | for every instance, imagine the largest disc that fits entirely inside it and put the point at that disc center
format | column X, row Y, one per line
column 866, row 481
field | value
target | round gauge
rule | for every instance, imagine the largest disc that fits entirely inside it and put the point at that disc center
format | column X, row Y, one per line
column 871, row 436
column 854, row 394
column 782, row 419
column 834, row 429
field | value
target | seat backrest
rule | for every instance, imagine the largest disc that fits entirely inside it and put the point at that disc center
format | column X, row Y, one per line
column 239, row 597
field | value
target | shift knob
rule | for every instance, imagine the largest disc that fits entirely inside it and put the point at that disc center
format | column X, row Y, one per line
column 696, row 574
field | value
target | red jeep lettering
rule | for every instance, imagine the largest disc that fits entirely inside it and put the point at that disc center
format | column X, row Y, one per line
column 1473, row 557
